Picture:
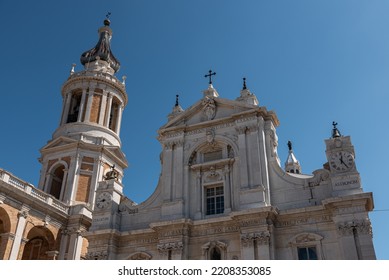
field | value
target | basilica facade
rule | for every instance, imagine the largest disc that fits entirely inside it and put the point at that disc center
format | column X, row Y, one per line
column 223, row 192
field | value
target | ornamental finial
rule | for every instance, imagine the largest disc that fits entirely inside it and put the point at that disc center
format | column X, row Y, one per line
column 335, row 130
column 290, row 145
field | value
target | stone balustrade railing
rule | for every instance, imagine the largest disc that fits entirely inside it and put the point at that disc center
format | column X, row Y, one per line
column 29, row 189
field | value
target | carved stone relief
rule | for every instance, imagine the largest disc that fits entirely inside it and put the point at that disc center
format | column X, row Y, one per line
column 209, row 108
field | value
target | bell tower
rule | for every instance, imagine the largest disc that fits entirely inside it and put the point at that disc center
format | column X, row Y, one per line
column 86, row 145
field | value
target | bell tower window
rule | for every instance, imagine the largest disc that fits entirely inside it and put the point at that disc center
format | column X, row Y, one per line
column 113, row 115
column 74, row 108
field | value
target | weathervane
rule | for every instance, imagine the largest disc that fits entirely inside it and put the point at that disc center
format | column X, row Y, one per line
column 244, row 83
column 210, row 76
column 335, row 130
column 108, row 15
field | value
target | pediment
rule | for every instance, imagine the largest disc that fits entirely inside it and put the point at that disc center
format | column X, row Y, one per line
column 59, row 142
column 209, row 109
column 117, row 153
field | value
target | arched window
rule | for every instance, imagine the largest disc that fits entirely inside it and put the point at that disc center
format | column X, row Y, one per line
column 140, row 256
column 57, row 177
column 74, row 108
column 40, row 244
column 215, row 250
column 215, row 254
column 5, row 228
column 306, row 246
column 35, row 249
column 114, row 114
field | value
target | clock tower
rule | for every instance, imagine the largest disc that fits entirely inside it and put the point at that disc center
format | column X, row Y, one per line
column 340, row 153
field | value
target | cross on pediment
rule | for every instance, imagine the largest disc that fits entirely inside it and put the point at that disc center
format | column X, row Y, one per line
column 210, row 74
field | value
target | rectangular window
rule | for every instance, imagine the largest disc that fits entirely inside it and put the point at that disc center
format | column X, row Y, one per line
column 307, row 253
column 215, row 155
column 214, row 200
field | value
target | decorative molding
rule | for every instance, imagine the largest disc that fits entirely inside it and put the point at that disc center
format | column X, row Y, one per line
column 215, row 230
column 100, row 255
column 362, row 227
column 212, row 176
column 262, row 238
column 173, row 246
column 303, row 220
column 140, row 256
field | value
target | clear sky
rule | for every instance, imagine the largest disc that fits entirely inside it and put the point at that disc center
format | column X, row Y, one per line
column 312, row 62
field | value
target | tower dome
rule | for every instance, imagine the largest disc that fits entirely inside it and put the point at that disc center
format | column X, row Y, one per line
column 102, row 50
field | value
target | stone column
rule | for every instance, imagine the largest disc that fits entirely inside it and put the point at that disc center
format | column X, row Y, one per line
column 89, row 104
column 75, row 245
column 108, row 111
column 103, row 108
column 198, row 196
column 347, row 241
column 365, row 237
column 247, row 246
column 21, row 249
column 66, row 107
column 244, row 174
column 177, row 169
column 119, row 119
column 262, row 246
column 22, row 216
column 167, row 171
column 71, row 181
column 227, row 187
column 82, row 105
column 64, row 244
column 63, row 186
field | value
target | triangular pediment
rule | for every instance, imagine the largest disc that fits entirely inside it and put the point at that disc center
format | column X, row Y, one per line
column 118, row 155
column 59, row 142
column 209, row 109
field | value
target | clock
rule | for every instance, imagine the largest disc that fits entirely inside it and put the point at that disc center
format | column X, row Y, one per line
column 341, row 161
column 103, row 200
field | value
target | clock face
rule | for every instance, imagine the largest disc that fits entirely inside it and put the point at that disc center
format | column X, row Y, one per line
column 103, row 200
column 341, row 161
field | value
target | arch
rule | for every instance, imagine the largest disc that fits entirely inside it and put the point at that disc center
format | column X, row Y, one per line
column 114, row 114
column 40, row 243
column 306, row 246
column 215, row 254
column 215, row 250
column 5, row 228
column 228, row 146
column 5, row 221
column 57, row 178
column 74, row 108
column 140, row 256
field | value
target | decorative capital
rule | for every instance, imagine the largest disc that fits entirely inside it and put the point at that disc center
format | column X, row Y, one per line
column 164, row 247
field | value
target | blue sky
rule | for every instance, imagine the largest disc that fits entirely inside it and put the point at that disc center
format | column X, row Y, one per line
column 312, row 62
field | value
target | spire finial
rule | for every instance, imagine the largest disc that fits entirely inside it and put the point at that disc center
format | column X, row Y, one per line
column 72, row 70
column 335, row 130
column 107, row 21
column 290, row 145
column 210, row 76
column 244, row 83
column 176, row 100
